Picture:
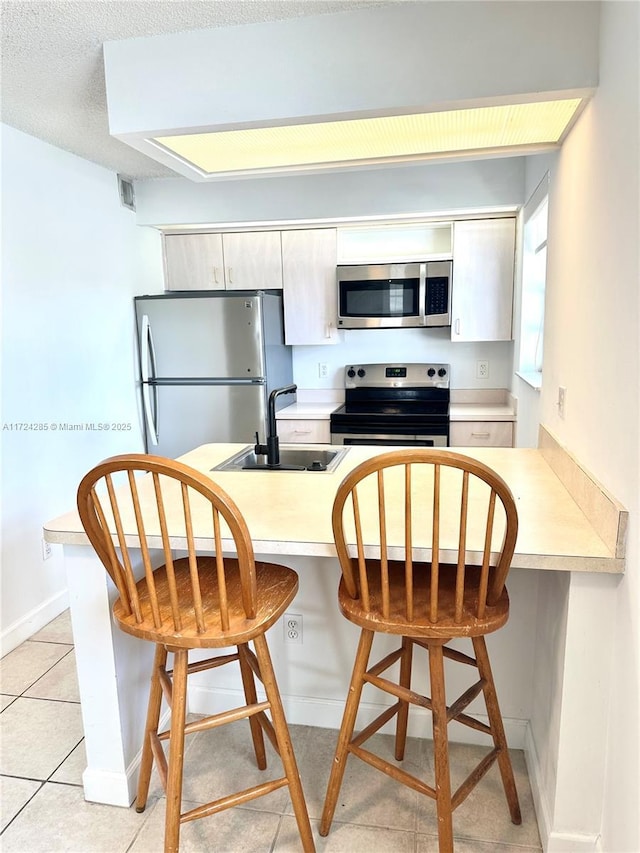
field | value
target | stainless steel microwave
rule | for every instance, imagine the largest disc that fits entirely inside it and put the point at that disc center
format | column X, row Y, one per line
column 391, row 296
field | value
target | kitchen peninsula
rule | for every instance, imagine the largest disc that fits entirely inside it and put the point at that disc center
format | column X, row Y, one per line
column 289, row 518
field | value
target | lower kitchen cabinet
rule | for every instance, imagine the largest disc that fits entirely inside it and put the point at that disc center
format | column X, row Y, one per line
column 481, row 434
column 304, row 431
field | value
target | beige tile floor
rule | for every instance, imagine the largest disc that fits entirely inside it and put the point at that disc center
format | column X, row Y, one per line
column 43, row 809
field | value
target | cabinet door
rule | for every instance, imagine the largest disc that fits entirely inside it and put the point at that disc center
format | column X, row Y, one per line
column 253, row 260
column 483, row 268
column 481, row 434
column 193, row 262
column 309, row 278
column 304, row 431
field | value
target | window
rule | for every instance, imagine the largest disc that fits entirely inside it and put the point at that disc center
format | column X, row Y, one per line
column 534, row 276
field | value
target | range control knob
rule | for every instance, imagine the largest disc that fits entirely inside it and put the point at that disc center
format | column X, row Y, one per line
column 362, row 373
column 431, row 372
column 442, row 372
column 351, row 373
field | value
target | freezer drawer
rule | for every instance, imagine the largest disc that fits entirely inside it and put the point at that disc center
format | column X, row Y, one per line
column 190, row 415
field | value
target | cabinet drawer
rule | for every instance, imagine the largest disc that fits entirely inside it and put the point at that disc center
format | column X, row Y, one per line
column 481, row 433
column 304, row 431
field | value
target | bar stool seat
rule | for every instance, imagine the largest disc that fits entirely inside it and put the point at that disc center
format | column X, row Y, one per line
column 209, row 601
column 388, row 507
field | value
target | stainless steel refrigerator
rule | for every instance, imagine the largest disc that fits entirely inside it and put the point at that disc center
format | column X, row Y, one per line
column 208, row 363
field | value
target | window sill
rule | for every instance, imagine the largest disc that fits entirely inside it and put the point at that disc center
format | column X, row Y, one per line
column 531, row 377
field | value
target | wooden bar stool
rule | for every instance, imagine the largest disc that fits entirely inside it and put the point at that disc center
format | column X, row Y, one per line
column 195, row 602
column 461, row 518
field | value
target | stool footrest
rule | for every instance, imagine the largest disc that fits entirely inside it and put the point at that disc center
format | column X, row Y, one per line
column 454, row 711
column 234, row 800
column 473, row 778
column 393, row 771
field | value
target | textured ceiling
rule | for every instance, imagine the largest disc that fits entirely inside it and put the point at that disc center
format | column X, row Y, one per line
column 52, row 81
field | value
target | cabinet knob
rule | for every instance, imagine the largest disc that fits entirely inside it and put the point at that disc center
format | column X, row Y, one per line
column 230, row 275
column 215, row 275
column 457, row 326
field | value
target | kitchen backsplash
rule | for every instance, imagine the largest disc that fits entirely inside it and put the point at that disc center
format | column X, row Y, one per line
column 403, row 345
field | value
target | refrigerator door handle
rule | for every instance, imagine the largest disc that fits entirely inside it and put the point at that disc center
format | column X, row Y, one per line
column 148, row 356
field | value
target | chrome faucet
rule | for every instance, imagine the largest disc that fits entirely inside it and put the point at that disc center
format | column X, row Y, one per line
column 272, row 447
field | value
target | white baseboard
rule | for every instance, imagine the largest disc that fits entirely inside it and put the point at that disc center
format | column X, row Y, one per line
column 327, row 714
column 540, row 801
column 116, row 789
column 104, row 786
column 552, row 840
column 566, row 842
column 27, row 625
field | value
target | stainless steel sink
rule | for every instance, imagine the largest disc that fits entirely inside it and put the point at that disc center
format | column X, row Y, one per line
column 292, row 458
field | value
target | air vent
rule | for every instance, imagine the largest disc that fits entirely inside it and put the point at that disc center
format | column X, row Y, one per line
column 127, row 195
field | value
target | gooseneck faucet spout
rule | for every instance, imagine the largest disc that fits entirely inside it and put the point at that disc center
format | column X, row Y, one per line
column 272, row 447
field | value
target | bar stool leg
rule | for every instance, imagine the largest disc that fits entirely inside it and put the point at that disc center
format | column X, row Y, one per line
column 251, row 697
column 153, row 718
column 346, row 730
column 176, row 752
column 284, row 743
column 441, row 749
column 403, row 712
column 497, row 728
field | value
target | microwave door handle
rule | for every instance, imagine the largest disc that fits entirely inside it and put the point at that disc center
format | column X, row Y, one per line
column 422, row 295
column 149, row 392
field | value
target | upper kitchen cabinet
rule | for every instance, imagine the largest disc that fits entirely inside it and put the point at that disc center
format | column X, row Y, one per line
column 252, row 260
column 309, row 278
column 193, row 262
column 483, row 271
column 234, row 261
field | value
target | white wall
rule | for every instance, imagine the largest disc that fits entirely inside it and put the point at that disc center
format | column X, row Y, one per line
column 72, row 259
column 364, row 346
column 392, row 191
column 591, row 348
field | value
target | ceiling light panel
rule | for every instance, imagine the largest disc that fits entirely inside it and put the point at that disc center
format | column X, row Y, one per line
column 374, row 139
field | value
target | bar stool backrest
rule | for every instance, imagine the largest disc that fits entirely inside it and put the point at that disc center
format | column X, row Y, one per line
column 131, row 492
column 418, row 501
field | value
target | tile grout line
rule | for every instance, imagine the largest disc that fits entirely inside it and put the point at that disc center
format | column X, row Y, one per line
column 42, row 675
column 48, row 780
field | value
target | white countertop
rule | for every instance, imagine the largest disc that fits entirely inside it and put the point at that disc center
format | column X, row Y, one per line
column 481, row 412
column 307, row 411
column 290, row 512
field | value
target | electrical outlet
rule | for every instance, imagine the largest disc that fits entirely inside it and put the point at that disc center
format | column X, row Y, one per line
column 562, row 400
column 292, row 628
column 46, row 549
column 323, row 370
column 482, row 369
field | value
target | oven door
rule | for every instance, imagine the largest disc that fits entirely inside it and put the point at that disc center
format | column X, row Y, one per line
column 386, row 440
column 393, row 440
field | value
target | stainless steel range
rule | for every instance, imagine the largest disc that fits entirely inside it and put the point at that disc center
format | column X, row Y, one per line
column 394, row 404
